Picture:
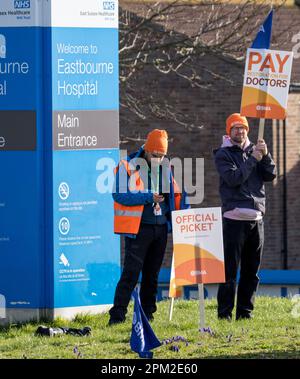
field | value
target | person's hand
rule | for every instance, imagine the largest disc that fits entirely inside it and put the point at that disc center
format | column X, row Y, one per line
column 257, row 154
column 262, row 147
column 158, row 198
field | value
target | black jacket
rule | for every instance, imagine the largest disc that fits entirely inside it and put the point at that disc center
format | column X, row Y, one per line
column 242, row 177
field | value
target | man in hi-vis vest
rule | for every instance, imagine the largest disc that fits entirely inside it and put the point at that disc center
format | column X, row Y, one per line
column 145, row 195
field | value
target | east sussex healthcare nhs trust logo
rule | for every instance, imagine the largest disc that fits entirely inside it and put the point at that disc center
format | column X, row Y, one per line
column 108, row 5
column 21, row 4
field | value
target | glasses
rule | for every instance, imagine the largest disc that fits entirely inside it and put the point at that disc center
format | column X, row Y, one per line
column 160, row 156
column 239, row 128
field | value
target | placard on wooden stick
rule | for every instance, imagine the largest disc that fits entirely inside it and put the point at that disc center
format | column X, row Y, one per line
column 198, row 253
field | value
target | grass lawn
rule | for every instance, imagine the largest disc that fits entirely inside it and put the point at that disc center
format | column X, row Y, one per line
column 273, row 333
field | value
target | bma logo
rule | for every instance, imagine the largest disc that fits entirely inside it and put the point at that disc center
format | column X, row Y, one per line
column 21, row 4
column 108, row 5
column 2, row 46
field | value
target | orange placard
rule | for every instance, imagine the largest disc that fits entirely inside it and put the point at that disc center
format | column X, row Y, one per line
column 266, row 83
column 198, row 246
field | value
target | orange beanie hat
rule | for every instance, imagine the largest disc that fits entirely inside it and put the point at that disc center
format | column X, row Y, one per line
column 157, row 142
column 236, row 119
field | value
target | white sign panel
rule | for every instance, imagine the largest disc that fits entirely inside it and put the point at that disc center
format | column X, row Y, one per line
column 60, row 13
column 266, row 83
column 198, row 246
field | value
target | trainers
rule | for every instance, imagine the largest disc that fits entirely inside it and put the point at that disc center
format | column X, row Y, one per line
column 49, row 332
column 42, row 331
column 86, row 331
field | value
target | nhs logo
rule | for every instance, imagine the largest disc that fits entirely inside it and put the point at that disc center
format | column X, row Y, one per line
column 108, row 5
column 20, row 4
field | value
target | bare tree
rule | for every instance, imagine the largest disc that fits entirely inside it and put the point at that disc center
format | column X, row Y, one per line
column 175, row 37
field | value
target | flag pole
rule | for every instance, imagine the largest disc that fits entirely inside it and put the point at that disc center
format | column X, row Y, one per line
column 201, row 305
column 261, row 128
column 171, row 309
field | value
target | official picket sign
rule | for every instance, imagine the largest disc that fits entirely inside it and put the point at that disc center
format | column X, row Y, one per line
column 198, row 246
column 266, row 83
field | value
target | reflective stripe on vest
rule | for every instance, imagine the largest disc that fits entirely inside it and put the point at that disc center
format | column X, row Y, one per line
column 127, row 219
column 119, row 212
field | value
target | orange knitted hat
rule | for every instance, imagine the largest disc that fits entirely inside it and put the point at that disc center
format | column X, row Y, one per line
column 236, row 119
column 157, row 142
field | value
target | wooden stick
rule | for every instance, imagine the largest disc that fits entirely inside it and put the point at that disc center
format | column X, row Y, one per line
column 261, row 128
column 201, row 305
column 171, row 309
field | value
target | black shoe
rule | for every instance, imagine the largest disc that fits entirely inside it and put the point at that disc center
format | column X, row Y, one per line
column 244, row 316
column 150, row 317
column 43, row 331
column 49, row 332
column 113, row 321
column 117, row 314
column 225, row 317
column 86, row 331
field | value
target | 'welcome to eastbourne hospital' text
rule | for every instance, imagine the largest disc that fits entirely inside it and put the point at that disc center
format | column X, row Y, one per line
column 85, row 87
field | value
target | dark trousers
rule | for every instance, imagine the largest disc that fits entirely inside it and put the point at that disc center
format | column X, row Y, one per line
column 243, row 245
column 144, row 254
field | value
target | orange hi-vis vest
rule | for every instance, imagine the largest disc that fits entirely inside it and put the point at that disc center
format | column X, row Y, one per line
column 127, row 218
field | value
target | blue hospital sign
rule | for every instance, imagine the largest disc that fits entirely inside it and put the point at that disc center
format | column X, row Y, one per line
column 59, row 116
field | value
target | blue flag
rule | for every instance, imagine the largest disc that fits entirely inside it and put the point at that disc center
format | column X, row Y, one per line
column 263, row 38
column 142, row 338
